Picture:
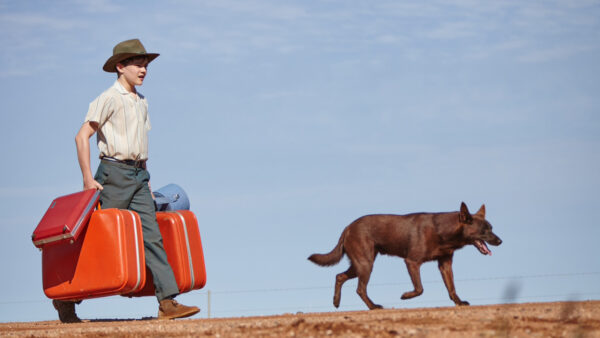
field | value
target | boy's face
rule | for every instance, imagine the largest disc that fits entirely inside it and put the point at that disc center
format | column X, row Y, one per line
column 133, row 71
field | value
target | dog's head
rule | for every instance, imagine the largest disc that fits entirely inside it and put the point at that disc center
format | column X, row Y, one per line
column 477, row 230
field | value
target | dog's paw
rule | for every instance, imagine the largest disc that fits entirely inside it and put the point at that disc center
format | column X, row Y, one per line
column 376, row 307
column 411, row 294
column 463, row 303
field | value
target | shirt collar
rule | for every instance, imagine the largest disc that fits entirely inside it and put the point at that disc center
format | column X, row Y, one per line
column 119, row 87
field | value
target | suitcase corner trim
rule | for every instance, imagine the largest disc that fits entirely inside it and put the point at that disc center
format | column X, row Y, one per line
column 188, row 249
column 52, row 239
column 137, row 253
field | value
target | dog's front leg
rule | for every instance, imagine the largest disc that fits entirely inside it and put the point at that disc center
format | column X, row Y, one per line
column 445, row 266
column 414, row 270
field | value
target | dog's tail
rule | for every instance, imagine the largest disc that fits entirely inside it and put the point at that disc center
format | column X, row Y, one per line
column 332, row 258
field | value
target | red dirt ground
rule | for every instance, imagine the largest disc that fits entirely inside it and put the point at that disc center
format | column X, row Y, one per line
column 563, row 319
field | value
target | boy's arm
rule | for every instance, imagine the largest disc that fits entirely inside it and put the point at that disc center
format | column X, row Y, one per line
column 150, row 187
column 82, row 141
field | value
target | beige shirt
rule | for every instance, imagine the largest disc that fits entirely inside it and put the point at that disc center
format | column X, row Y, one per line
column 123, row 123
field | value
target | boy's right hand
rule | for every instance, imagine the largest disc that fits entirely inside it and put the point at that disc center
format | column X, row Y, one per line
column 92, row 184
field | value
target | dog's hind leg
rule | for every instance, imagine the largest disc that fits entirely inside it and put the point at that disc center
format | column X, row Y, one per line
column 445, row 266
column 340, row 279
column 363, row 270
column 414, row 270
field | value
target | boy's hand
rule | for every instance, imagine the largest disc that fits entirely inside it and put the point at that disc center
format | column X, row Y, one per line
column 92, row 184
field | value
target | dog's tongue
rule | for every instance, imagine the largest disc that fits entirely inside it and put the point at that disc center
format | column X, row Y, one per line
column 482, row 247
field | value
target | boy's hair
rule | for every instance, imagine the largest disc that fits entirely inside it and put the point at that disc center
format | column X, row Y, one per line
column 131, row 60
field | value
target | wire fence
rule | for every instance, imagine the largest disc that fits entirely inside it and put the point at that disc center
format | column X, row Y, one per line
column 354, row 306
column 512, row 278
column 510, row 295
column 514, row 297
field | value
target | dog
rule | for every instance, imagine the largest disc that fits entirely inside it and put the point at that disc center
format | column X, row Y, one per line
column 418, row 238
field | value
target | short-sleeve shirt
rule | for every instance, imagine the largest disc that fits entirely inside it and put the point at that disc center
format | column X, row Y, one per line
column 123, row 123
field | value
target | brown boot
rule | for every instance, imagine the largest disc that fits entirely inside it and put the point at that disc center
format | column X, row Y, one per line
column 170, row 309
column 66, row 311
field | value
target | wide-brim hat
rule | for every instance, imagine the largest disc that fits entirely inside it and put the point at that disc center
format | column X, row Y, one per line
column 125, row 50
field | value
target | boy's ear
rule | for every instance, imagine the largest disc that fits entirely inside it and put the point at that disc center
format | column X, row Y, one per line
column 464, row 216
column 119, row 66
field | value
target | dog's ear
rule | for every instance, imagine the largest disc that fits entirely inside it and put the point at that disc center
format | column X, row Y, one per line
column 464, row 216
column 481, row 211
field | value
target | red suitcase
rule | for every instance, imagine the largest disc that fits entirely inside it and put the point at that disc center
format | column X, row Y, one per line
column 107, row 259
column 65, row 218
column 181, row 239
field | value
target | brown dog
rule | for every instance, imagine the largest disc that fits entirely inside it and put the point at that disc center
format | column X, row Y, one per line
column 418, row 238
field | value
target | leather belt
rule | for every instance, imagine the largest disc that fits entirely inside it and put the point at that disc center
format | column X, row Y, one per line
column 134, row 163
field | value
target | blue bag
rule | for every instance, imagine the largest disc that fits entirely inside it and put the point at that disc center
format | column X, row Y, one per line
column 171, row 197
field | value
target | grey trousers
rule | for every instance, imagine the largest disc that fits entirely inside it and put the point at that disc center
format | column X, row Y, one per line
column 126, row 187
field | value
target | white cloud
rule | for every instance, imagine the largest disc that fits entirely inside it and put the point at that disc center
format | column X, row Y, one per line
column 232, row 30
column 250, row 9
column 452, row 30
column 16, row 22
column 98, row 6
column 554, row 53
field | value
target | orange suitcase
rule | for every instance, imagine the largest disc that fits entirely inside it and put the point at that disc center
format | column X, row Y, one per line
column 181, row 239
column 107, row 259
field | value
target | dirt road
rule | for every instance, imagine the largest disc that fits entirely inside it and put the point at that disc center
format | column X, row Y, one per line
column 564, row 319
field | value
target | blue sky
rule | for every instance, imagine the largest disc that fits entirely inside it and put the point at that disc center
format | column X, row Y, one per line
column 286, row 120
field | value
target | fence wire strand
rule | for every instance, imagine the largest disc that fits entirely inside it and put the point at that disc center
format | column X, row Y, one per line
column 308, row 288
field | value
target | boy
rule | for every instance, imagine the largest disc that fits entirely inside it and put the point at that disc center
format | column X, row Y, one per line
column 119, row 116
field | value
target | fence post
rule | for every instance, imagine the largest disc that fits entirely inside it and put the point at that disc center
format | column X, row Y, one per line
column 208, row 309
